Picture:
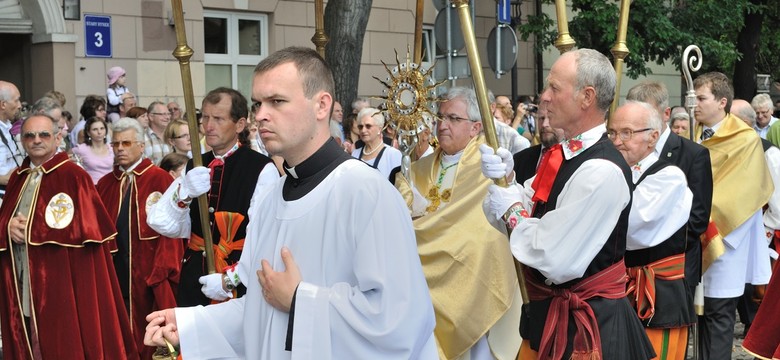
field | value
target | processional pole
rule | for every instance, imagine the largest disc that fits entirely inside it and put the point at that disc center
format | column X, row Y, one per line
column 183, row 53
column 564, row 42
column 484, row 106
column 320, row 39
column 619, row 52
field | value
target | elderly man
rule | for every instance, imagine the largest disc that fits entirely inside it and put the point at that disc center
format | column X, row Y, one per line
column 459, row 249
column 58, row 289
column 694, row 160
column 234, row 171
column 147, row 264
column 742, row 185
column 10, row 157
column 175, row 110
column 581, row 182
column 47, row 106
column 660, row 206
column 527, row 161
column 128, row 102
column 762, row 104
column 156, row 147
column 354, row 289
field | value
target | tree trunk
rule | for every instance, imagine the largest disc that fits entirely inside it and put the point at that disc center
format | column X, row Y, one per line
column 747, row 45
column 345, row 25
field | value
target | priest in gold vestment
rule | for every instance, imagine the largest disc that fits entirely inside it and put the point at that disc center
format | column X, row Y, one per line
column 467, row 262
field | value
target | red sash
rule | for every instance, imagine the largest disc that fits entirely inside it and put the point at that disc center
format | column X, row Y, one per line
column 641, row 282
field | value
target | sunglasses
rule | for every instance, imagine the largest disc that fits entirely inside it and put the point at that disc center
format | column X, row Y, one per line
column 367, row 126
column 124, row 143
column 30, row 135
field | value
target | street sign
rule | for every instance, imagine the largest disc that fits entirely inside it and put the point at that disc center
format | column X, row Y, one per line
column 502, row 46
column 504, row 11
column 440, row 4
column 97, row 36
column 457, row 68
column 440, row 30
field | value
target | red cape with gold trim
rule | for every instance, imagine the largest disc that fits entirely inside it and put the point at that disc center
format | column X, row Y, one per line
column 155, row 259
column 77, row 308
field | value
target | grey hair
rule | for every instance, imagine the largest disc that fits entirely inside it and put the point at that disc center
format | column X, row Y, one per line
column 127, row 123
column 46, row 105
column 150, row 108
column 747, row 112
column 652, row 92
column 762, row 101
column 373, row 113
column 594, row 69
column 679, row 116
column 360, row 100
column 653, row 119
column 469, row 97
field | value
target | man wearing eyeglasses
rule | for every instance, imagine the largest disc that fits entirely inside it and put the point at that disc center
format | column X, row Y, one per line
column 655, row 243
column 175, row 110
column 765, row 121
column 10, row 105
column 458, row 248
column 569, row 223
column 156, row 147
column 731, row 256
column 58, row 289
column 147, row 264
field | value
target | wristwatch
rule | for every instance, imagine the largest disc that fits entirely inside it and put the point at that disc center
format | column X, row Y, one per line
column 226, row 283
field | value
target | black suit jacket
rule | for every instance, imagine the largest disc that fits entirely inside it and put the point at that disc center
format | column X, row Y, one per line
column 525, row 163
column 694, row 160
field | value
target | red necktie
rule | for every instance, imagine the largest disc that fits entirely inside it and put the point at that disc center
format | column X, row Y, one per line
column 548, row 169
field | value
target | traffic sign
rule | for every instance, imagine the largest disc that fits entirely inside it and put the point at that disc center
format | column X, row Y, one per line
column 504, row 11
column 502, row 46
column 97, row 36
column 440, row 30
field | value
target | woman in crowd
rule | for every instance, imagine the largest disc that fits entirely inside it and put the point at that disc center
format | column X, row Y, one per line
column 139, row 114
column 680, row 123
column 94, row 154
column 375, row 152
column 177, row 135
column 352, row 137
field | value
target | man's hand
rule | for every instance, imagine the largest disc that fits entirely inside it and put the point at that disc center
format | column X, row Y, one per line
column 17, row 226
column 214, row 288
column 279, row 287
column 196, row 182
column 162, row 326
column 498, row 164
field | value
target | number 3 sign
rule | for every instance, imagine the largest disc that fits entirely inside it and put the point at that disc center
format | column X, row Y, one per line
column 97, row 36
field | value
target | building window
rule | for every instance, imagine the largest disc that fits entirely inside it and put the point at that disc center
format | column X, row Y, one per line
column 234, row 44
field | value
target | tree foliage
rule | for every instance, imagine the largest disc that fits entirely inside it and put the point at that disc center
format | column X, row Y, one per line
column 659, row 31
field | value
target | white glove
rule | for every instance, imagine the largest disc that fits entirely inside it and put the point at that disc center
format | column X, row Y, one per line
column 212, row 287
column 498, row 164
column 196, row 182
column 419, row 203
column 499, row 200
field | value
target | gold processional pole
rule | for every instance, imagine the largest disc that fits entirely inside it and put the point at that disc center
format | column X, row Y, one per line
column 418, row 24
column 484, row 106
column 319, row 39
column 620, row 51
column 183, row 53
column 564, row 42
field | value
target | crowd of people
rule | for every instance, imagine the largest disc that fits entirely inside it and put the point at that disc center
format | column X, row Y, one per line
column 324, row 249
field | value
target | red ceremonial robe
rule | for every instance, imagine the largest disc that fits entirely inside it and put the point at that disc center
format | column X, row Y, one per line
column 76, row 305
column 155, row 260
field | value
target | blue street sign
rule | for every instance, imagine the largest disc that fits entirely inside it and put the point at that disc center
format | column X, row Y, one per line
column 504, row 12
column 97, row 36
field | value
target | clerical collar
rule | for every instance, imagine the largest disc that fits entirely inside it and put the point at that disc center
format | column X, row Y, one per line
column 451, row 159
column 131, row 167
column 304, row 177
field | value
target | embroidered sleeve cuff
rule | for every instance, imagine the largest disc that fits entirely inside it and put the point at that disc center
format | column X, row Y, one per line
column 514, row 215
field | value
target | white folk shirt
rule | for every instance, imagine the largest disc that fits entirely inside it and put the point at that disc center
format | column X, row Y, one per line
column 772, row 215
column 363, row 294
column 660, row 207
column 564, row 241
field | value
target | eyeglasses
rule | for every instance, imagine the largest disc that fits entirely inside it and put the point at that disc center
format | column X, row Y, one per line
column 161, row 114
column 624, row 134
column 182, row 136
column 367, row 126
column 173, row 109
column 124, row 143
column 30, row 135
column 452, row 119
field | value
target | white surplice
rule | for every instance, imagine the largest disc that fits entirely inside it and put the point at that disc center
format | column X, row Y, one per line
column 363, row 294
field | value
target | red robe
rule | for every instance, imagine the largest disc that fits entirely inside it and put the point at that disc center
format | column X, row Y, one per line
column 76, row 305
column 155, row 260
column 763, row 338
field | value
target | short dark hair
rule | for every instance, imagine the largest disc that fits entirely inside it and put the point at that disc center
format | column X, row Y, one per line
column 719, row 84
column 312, row 68
column 173, row 161
column 90, row 105
column 239, row 108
